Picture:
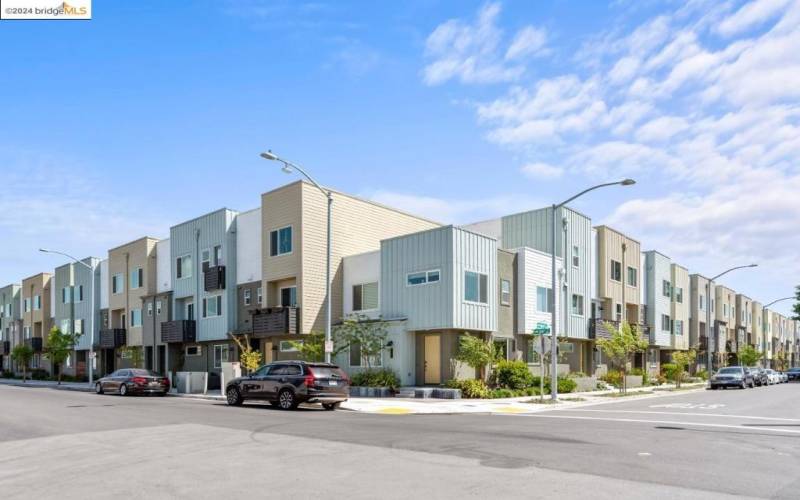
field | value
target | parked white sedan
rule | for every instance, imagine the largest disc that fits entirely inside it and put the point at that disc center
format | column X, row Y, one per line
column 773, row 377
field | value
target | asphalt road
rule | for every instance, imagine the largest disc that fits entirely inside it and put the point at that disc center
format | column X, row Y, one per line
column 688, row 445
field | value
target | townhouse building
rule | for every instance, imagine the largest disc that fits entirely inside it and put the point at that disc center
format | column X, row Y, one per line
column 249, row 294
column 658, row 291
column 744, row 321
column 725, row 334
column 131, row 276
column 767, row 336
column 700, row 301
column 157, row 309
column 73, row 309
column 293, row 250
column 10, row 324
column 680, row 309
column 37, row 318
column 757, row 312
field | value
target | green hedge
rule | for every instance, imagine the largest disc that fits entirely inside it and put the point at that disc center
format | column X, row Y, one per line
column 470, row 389
column 376, row 378
column 512, row 375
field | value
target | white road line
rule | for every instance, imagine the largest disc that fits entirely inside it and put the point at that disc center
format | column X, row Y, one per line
column 664, row 422
column 776, row 419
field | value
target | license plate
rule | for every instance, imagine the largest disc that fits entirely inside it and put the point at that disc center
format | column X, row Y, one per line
column 153, row 384
column 333, row 382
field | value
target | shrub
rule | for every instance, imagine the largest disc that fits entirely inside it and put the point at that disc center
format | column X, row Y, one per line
column 504, row 393
column 376, row 378
column 576, row 375
column 512, row 375
column 39, row 374
column 7, row 374
column 566, row 385
column 702, row 374
column 470, row 389
column 613, row 377
column 669, row 370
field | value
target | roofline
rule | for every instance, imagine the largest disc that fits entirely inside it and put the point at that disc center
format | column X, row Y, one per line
column 536, row 250
column 43, row 273
column 250, row 210
column 440, row 228
column 362, row 253
column 134, row 241
column 72, row 263
column 567, row 207
column 606, row 226
column 682, row 267
column 659, row 253
column 223, row 209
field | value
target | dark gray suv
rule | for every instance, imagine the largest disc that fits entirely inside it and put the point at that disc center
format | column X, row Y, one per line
column 286, row 384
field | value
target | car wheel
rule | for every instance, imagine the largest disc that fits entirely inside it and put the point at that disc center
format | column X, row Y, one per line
column 123, row 390
column 331, row 406
column 98, row 388
column 287, row 400
column 233, row 397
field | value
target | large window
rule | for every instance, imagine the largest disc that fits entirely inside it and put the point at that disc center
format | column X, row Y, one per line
column 422, row 277
column 37, row 302
column 576, row 258
column 217, row 256
column 358, row 359
column 288, row 345
column 280, row 241
column 26, row 306
column 505, row 292
column 212, row 306
column 183, row 266
column 365, row 296
column 532, row 356
column 616, row 271
column 137, row 277
column 666, row 288
column 247, row 298
column 288, row 296
column 678, row 327
column 475, row 285
column 66, row 296
column 78, row 293
column 65, row 326
column 577, row 304
column 678, row 295
column 665, row 323
column 544, row 299
column 618, row 312
column 117, row 283
column 702, row 302
column 633, row 277
column 260, row 296
column 136, row 317
column 220, row 355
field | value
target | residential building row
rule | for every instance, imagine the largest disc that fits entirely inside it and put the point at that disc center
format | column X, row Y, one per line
column 175, row 304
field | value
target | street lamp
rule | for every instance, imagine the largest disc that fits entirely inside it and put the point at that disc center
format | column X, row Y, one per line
column 776, row 301
column 289, row 167
column 709, row 353
column 553, row 315
column 91, row 321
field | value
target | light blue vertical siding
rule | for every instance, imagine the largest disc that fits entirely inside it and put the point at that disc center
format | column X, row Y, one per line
column 657, row 270
column 191, row 238
column 76, row 275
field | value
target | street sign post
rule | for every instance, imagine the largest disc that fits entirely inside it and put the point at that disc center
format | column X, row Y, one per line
column 541, row 330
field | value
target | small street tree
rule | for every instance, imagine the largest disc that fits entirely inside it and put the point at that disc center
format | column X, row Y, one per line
column 796, row 307
column 476, row 353
column 22, row 354
column 366, row 334
column 623, row 342
column 780, row 360
column 59, row 346
column 311, row 348
column 682, row 360
column 249, row 358
column 749, row 356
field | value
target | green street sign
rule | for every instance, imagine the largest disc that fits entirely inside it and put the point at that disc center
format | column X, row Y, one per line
column 541, row 329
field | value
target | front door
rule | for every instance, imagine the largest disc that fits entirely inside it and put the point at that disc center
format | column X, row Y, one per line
column 433, row 367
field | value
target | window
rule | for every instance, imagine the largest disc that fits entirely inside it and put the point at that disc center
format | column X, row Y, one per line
column 616, row 271
column 280, row 241
column 666, row 288
column 158, row 307
column 149, row 308
column 78, row 326
column 288, row 345
column 259, row 296
column 37, row 302
column 577, row 304
column 220, row 355
column 422, row 277
column 475, row 287
column 117, row 283
column 193, row 350
column 27, row 304
column 247, row 299
column 678, row 327
column 702, row 302
column 544, row 299
column 66, row 296
column 365, row 297
column 137, row 277
column 665, row 323
column 724, row 310
column 212, row 306
column 576, row 259
column 136, row 317
column 679, row 295
column 217, row 257
column 289, row 296
column 632, row 276
column 618, row 310
column 65, row 326
column 531, row 354
column 501, row 347
column 505, row 292
column 205, row 259
column 79, row 293
column 26, row 331
column 184, row 266
column 68, row 361
column 355, row 354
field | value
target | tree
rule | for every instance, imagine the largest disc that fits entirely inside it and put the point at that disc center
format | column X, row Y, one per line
column 796, row 307
column 22, row 354
column 249, row 358
column 623, row 342
column 476, row 352
column 59, row 346
column 136, row 355
column 749, row 356
column 682, row 360
column 311, row 348
column 366, row 334
column 780, row 360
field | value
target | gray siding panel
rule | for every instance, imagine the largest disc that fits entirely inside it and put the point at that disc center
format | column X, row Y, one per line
column 78, row 275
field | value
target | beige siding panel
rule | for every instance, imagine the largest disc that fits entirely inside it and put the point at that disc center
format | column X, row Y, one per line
column 680, row 310
column 610, row 246
column 122, row 260
column 281, row 208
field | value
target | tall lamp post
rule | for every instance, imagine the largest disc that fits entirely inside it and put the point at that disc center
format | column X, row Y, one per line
column 553, row 315
column 91, row 321
column 289, row 167
column 709, row 301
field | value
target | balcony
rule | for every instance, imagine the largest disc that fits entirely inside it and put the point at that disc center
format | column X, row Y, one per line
column 5, row 348
column 214, row 278
column 183, row 330
column 112, row 338
column 276, row 321
column 34, row 343
column 598, row 330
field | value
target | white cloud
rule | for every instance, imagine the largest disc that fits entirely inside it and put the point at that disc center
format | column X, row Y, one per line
column 530, row 41
column 750, row 15
column 540, row 170
column 661, row 128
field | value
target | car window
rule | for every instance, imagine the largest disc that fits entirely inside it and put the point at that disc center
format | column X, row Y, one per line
column 731, row 370
column 293, row 370
column 278, row 370
column 262, row 371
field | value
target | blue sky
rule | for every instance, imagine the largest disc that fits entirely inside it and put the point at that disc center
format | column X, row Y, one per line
column 155, row 112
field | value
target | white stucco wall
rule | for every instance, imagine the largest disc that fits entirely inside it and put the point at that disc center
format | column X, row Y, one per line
column 359, row 269
column 104, row 284
column 163, row 270
column 248, row 246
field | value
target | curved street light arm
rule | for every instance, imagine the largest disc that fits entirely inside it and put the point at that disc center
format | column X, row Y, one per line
column 779, row 300
column 586, row 191
column 731, row 269
column 84, row 264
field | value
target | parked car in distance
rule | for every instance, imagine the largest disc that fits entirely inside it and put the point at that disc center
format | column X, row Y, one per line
column 286, row 384
column 133, row 381
column 793, row 374
column 732, row 376
column 773, row 376
column 759, row 375
column 784, row 377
